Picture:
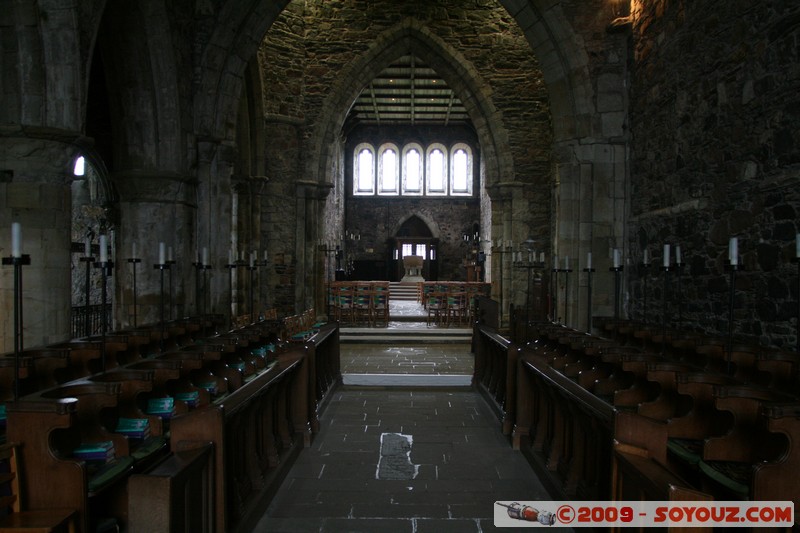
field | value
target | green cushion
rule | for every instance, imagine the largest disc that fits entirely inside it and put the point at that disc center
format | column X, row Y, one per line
column 687, row 450
column 733, row 476
column 110, row 472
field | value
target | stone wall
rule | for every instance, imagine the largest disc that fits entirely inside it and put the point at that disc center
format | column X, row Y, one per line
column 312, row 43
column 714, row 108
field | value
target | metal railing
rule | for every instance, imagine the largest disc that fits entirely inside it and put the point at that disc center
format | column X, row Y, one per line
column 87, row 321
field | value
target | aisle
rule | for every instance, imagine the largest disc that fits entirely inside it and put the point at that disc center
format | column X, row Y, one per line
column 458, row 464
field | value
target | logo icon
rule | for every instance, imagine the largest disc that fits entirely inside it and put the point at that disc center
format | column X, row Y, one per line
column 529, row 514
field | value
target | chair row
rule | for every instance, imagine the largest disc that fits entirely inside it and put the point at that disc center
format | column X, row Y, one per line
column 360, row 302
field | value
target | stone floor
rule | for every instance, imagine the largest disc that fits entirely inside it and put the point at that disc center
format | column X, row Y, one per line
column 455, row 464
column 404, row 459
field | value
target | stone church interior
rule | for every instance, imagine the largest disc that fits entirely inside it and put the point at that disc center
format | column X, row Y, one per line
column 210, row 207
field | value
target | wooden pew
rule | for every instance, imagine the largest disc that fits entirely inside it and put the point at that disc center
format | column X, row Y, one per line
column 252, row 436
column 176, row 495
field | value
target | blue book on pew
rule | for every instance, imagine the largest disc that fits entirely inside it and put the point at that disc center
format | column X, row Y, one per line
column 190, row 398
column 95, row 451
column 135, row 428
column 163, row 407
column 210, row 386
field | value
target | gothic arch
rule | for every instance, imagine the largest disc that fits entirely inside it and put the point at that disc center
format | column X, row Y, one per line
column 432, row 225
column 461, row 76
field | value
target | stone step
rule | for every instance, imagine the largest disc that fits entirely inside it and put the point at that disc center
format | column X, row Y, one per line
column 418, row 335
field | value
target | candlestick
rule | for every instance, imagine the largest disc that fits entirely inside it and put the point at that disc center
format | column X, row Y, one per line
column 205, row 256
column 616, row 256
column 18, row 262
column 678, row 260
column 170, row 256
column 16, row 240
column 103, row 249
column 162, row 260
column 733, row 251
column 566, row 263
column 666, row 256
column 646, row 259
column 589, row 260
column 87, row 247
column 133, row 250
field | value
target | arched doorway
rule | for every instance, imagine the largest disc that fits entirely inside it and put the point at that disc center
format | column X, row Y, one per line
column 414, row 237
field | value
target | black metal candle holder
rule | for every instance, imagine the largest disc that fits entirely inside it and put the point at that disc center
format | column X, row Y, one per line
column 679, row 293
column 733, row 269
column 796, row 261
column 589, row 273
column 566, row 272
column 252, row 268
column 87, row 329
column 230, row 266
column 664, row 300
column 171, row 291
column 133, row 261
column 554, row 293
column 161, row 267
column 17, row 263
column 617, row 270
column 106, row 269
column 644, row 268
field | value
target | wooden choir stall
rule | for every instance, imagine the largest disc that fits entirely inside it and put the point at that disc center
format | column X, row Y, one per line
column 188, row 429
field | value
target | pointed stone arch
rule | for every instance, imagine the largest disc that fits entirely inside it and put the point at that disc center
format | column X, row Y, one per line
column 411, row 36
column 428, row 221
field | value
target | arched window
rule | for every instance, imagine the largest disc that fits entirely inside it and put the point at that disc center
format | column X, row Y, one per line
column 364, row 169
column 461, row 170
column 412, row 169
column 388, row 169
column 436, row 183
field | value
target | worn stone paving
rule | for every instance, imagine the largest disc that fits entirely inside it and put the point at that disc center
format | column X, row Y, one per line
column 458, row 464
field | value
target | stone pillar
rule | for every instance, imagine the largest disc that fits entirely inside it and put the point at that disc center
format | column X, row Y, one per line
column 310, row 282
column 154, row 208
column 216, row 160
column 35, row 172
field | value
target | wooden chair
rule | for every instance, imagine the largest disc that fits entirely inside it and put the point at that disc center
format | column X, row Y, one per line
column 380, row 304
column 19, row 520
column 436, row 304
column 457, row 308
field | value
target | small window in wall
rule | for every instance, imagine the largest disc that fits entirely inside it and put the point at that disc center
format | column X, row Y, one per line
column 388, row 169
column 437, row 170
column 364, row 165
column 461, row 170
column 412, row 169
column 408, row 249
column 422, row 251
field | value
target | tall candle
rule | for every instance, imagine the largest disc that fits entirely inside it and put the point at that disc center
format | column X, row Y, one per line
column 87, row 247
column 666, row 256
column 16, row 240
column 555, row 262
column 678, row 260
column 103, row 249
column 616, row 258
column 170, row 256
column 733, row 251
column 265, row 256
column 133, row 250
column 646, row 259
column 797, row 245
column 162, row 259
column 252, row 259
column 566, row 263
column 205, row 256
column 589, row 260
column 230, row 256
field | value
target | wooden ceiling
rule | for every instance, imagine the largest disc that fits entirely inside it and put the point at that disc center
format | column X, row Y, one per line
column 407, row 92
